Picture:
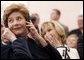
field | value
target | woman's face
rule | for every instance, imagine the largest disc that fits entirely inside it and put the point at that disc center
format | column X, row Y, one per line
column 17, row 23
column 50, row 29
column 72, row 42
column 52, row 36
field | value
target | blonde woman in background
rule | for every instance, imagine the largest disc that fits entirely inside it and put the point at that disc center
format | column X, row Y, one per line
column 54, row 33
column 50, row 29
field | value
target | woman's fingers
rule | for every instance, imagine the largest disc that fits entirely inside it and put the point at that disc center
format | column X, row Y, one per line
column 28, row 26
column 29, row 23
column 49, row 38
column 32, row 28
column 53, row 36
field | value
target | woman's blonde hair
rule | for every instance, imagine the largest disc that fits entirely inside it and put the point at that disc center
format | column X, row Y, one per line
column 59, row 29
column 15, row 8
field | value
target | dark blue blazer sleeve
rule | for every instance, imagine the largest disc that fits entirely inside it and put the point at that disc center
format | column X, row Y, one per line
column 20, row 49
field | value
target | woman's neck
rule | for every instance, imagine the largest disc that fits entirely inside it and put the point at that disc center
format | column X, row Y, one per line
column 24, row 34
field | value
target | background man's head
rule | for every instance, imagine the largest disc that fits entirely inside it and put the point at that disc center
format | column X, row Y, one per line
column 55, row 14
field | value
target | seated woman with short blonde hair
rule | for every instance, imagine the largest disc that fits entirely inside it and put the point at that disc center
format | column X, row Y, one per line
column 54, row 33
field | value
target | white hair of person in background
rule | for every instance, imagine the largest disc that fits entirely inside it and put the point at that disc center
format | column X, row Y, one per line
column 71, row 42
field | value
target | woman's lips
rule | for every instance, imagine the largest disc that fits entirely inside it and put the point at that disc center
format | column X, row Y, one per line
column 17, row 28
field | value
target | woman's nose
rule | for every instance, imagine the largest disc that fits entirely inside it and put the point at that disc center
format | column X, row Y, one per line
column 15, row 22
